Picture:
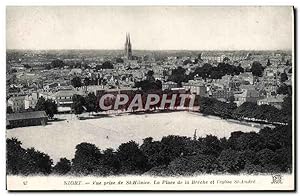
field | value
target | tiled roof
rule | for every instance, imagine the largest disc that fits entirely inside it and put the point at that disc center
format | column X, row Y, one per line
column 26, row 115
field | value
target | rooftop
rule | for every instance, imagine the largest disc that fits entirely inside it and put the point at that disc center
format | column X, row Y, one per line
column 26, row 115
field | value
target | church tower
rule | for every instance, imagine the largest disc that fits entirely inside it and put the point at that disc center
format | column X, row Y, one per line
column 128, row 50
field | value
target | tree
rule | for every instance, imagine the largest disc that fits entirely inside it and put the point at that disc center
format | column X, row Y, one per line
column 226, row 59
column 26, row 162
column 148, row 85
column 152, row 149
column 40, row 162
column 105, row 65
column 9, row 110
column 15, row 156
column 208, row 71
column 199, row 57
column 231, row 99
column 283, row 77
column 268, row 160
column 210, row 145
column 191, row 164
column 178, row 75
column 229, row 161
column 172, row 147
column 76, row 82
column 132, row 159
column 78, row 104
column 87, row 159
column 111, row 161
column 62, row 167
column 49, row 106
column 187, row 61
column 91, row 102
column 119, row 60
column 57, row 63
column 257, row 69
column 26, row 66
column 149, row 76
column 249, row 141
column 287, row 108
column 86, row 81
column 285, row 90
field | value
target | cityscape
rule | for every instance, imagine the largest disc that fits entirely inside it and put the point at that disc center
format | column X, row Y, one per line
column 260, row 77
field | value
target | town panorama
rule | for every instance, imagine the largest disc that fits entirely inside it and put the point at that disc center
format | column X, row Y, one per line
column 242, row 111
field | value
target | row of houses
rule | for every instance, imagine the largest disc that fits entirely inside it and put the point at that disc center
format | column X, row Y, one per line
column 240, row 95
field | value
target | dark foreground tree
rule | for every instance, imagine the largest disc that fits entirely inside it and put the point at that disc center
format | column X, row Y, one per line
column 132, row 159
column 87, row 159
column 62, row 167
column 26, row 161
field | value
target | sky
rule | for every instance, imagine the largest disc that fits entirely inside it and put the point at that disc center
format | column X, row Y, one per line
column 150, row 28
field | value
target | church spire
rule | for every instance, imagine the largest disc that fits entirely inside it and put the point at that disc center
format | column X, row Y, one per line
column 128, row 51
column 126, row 42
column 129, row 39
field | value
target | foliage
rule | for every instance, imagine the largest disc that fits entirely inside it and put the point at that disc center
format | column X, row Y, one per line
column 78, row 104
column 76, row 82
column 57, row 64
column 149, row 85
column 62, row 167
column 285, row 90
column 105, row 65
column 48, row 105
column 25, row 161
column 91, row 102
column 9, row 110
column 211, row 106
column 132, row 159
column 87, row 159
column 208, row 71
column 283, row 77
column 188, row 165
column 261, row 112
column 178, row 75
column 257, row 69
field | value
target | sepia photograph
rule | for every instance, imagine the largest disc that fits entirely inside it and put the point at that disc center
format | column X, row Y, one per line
column 150, row 98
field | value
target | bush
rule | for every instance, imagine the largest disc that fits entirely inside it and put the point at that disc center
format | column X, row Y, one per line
column 62, row 167
column 173, row 146
column 15, row 157
column 87, row 159
column 210, row 145
column 229, row 161
column 26, row 162
column 132, row 159
column 111, row 161
column 194, row 164
column 249, row 141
